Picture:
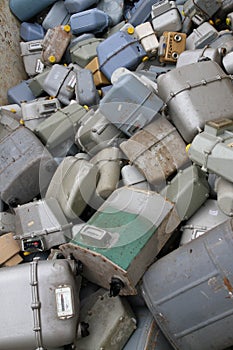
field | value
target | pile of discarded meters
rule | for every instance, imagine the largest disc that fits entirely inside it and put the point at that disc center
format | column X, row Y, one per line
column 116, row 177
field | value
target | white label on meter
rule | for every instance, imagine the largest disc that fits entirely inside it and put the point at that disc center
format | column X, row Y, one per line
column 64, row 302
column 39, row 66
column 35, row 47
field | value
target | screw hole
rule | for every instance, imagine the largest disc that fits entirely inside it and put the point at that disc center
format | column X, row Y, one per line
column 177, row 38
column 175, row 55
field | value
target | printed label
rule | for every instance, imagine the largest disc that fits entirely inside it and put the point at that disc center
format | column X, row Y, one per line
column 95, row 236
column 39, row 66
column 35, row 47
column 64, row 302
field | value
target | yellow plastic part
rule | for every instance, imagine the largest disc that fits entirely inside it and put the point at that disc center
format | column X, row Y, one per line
column 67, row 28
column 26, row 253
column 86, row 107
column 187, row 147
column 228, row 21
column 211, row 22
column 52, row 59
column 100, row 93
column 13, row 110
column 21, row 122
column 130, row 30
column 145, row 58
column 218, row 21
